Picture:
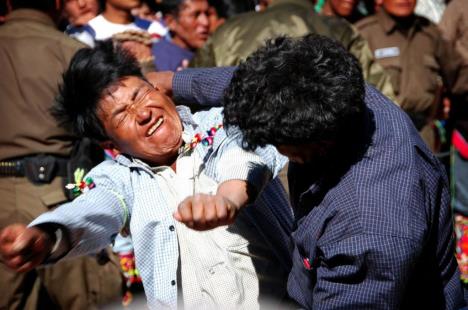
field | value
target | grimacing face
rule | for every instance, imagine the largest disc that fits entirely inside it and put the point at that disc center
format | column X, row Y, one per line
column 141, row 121
column 191, row 26
column 80, row 12
column 399, row 8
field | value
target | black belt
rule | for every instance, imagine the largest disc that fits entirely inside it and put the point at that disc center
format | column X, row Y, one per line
column 38, row 169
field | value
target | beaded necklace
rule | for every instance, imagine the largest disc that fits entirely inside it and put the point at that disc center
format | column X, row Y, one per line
column 205, row 140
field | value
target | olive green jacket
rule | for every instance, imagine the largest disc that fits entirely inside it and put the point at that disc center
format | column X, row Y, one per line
column 243, row 34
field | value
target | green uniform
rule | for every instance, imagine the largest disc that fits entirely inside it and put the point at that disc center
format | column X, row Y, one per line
column 243, row 34
column 419, row 62
column 33, row 55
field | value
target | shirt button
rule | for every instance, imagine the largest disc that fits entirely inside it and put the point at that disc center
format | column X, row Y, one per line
column 173, row 282
column 171, row 228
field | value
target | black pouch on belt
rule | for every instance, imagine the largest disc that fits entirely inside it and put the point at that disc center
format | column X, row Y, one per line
column 40, row 169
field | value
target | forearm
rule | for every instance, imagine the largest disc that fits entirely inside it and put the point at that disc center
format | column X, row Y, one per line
column 201, row 86
column 86, row 226
column 59, row 240
column 238, row 192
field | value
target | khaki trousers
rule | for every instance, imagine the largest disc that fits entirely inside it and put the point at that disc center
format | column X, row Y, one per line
column 79, row 283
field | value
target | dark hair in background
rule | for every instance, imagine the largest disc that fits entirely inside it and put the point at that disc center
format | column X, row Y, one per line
column 3, row 8
column 42, row 5
column 166, row 6
column 296, row 91
column 90, row 74
column 224, row 8
column 230, row 8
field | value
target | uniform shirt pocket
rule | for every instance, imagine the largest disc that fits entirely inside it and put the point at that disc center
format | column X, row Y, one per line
column 434, row 80
column 392, row 66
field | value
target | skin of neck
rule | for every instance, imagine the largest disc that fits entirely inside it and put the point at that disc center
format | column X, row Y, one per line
column 116, row 15
column 180, row 43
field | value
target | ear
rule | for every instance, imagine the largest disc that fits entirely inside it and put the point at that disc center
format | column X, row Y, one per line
column 170, row 21
column 109, row 145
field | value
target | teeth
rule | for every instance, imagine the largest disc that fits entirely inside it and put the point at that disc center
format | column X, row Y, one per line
column 155, row 126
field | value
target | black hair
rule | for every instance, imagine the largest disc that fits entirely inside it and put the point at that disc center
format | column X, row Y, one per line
column 42, row 5
column 296, row 91
column 169, row 7
column 230, row 8
column 91, row 72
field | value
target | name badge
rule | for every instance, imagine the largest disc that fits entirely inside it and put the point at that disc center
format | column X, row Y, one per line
column 386, row 52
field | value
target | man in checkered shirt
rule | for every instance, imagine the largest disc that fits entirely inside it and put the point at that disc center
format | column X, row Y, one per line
column 373, row 225
column 172, row 166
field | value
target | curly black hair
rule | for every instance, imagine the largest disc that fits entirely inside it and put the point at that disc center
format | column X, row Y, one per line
column 296, row 91
column 90, row 73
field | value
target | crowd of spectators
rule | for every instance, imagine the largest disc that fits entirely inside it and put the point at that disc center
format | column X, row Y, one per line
column 421, row 66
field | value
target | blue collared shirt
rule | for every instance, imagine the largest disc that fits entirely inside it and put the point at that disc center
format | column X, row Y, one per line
column 168, row 56
column 381, row 237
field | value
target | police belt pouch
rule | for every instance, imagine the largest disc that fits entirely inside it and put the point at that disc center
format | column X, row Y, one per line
column 42, row 169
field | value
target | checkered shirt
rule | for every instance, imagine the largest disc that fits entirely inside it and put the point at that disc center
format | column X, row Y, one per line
column 130, row 193
column 382, row 237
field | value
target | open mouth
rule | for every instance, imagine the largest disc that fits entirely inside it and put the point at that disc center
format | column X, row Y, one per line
column 155, row 126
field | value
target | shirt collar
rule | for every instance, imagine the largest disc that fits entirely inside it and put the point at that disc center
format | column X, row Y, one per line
column 31, row 15
column 387, row 22
column 390, row 25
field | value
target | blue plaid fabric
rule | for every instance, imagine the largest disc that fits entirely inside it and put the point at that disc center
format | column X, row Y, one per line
column 379, row 238
column 382, row 237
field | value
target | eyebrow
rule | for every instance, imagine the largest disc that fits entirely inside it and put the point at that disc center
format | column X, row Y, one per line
column 135, row 92
column 132, row 98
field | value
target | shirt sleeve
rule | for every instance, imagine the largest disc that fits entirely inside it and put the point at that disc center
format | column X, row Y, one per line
column 256, row 167
column 235, row 163
column 201, row 86
column 93, row 220
column 363, row 272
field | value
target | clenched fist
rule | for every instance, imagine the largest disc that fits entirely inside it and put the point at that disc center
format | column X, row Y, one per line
column 203, row 212
column 23, row 248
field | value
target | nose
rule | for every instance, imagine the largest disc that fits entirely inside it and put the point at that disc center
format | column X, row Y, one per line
column 203, row 19
column 143, row 115
column 81, row 3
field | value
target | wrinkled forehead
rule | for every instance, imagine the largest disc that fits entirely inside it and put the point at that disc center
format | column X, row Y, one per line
column 123, row 87
column 128, row 89
column 189, row 6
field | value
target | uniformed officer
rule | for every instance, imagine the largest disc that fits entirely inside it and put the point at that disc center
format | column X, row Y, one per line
column 347, row 9
column 241, row 35
column 34, row 156
column 419, row 61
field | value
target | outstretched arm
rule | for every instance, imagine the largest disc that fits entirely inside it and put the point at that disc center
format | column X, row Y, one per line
column 204, row 86
column 80, row 227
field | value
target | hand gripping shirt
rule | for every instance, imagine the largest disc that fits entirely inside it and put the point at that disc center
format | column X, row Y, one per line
column 130, row 194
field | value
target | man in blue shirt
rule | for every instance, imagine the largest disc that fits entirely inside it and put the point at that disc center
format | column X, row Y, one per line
column 188, row 24
column 371, row 202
